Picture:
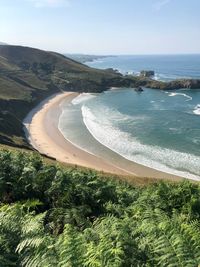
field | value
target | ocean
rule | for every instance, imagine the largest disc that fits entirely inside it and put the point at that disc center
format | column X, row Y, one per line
column 155, row 128
column 168, row 67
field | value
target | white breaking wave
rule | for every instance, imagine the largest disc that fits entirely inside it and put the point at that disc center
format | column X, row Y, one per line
column 164, row 77
column 181, row 94
column 168, row 77
column 82, row 98
column 197, row 110
column 123, row 143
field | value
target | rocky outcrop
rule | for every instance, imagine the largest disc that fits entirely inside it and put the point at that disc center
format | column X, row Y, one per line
column 138, row 89
column 147, row 73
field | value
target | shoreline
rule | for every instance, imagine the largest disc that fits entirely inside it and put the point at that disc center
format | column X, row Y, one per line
column 41, row 129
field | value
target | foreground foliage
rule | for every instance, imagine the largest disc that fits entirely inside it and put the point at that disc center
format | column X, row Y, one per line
column 51, row 216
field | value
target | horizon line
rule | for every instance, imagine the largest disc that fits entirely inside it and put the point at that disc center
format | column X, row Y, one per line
column 105, row 54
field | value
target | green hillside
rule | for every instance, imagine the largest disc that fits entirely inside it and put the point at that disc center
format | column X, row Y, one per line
column 28, row 75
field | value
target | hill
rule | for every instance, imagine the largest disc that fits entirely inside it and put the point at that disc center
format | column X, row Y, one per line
column 28, row 75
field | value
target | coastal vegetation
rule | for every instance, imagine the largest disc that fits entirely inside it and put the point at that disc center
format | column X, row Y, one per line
column 54, row 216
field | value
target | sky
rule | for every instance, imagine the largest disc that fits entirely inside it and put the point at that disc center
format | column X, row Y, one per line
column 103, row 26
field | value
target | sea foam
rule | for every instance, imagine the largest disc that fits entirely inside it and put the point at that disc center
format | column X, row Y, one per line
column 107, row 133
column 165, row 77
column 197, row 110
column 181, row 94
column 82, row 98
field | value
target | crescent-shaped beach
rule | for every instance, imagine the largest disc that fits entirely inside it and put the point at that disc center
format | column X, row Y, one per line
column 41, row 128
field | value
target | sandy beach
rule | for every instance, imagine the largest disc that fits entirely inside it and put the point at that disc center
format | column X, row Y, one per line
column 41, row 127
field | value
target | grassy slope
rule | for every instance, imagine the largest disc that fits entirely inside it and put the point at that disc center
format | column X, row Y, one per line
column 29, row 75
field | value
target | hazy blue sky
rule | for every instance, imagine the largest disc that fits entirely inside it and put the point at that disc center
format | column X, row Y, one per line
column 103, row 26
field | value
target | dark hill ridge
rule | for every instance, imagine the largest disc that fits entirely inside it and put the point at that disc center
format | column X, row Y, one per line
column 28, row 75
column 41, row 69
column 29, row 58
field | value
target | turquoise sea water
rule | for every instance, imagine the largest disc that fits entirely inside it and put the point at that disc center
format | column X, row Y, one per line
column 155, row 128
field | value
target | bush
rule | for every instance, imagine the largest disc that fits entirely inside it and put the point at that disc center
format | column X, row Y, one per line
column 53, row 216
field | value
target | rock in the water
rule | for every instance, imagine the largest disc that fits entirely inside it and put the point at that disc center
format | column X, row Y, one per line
column 139, row 89
column 147, row 73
